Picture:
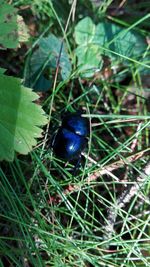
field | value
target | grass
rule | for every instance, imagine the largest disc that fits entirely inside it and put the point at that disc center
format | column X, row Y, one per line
column 100, row 217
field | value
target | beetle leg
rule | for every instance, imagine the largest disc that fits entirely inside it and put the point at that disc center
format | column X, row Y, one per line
column 77, row 165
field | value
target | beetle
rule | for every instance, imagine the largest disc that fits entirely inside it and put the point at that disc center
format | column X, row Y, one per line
column 71, row 137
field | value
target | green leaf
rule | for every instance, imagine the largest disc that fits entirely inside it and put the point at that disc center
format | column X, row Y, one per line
column 43, row 61
column 106, row 39
column 119, row 40
column 2, row 70
column 88, row 53
column 84, row 31
column 20, row 118
column 8, row 26
column 89, row 59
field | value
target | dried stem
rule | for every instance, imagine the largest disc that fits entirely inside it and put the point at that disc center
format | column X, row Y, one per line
column 124, row 198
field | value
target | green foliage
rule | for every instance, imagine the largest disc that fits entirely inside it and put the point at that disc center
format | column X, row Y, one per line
column 100, row 216
column 2, row 70
column 8, row 25
column 20, row 119
column 43, row 63
column 87, row 52
column 84, row 31
column 107, row 39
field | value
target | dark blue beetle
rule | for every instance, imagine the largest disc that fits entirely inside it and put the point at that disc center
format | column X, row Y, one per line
column 71, row 138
